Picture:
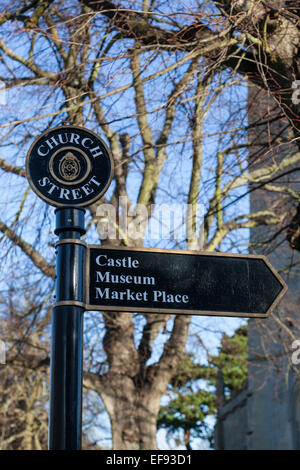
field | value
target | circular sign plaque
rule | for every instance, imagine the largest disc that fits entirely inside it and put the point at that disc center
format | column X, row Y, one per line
column 69, row 166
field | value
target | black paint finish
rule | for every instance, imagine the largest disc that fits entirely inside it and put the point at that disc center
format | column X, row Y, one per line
column 212, row 283
column 66, row 379
column 69, row 166
column 67, row 333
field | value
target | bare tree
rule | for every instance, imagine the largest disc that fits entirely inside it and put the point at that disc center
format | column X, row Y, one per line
column 151, row 78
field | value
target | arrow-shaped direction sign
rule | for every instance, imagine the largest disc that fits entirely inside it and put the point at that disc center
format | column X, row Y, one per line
column 182, row 282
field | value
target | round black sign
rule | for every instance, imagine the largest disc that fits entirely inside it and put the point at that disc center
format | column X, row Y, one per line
column 69, row 166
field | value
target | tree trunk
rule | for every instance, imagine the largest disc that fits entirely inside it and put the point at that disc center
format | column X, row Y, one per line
column 133, row 414
column 130, row 390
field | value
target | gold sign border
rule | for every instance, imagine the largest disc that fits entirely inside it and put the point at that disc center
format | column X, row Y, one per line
column 182, row 311
column 57, row 204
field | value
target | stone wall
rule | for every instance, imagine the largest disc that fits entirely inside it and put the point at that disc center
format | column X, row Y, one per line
column 267, row 414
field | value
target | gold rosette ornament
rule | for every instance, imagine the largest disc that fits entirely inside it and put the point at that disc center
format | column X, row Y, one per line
column 69, row 167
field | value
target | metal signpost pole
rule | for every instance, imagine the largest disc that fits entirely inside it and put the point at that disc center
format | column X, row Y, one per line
column 67, row 332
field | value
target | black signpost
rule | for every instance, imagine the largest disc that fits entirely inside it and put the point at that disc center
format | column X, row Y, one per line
column 68, row 167
column 67, row 332
column 71, row 167
column 181, row 282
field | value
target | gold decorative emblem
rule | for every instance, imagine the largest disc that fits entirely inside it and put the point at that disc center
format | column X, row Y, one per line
column 69, row 167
